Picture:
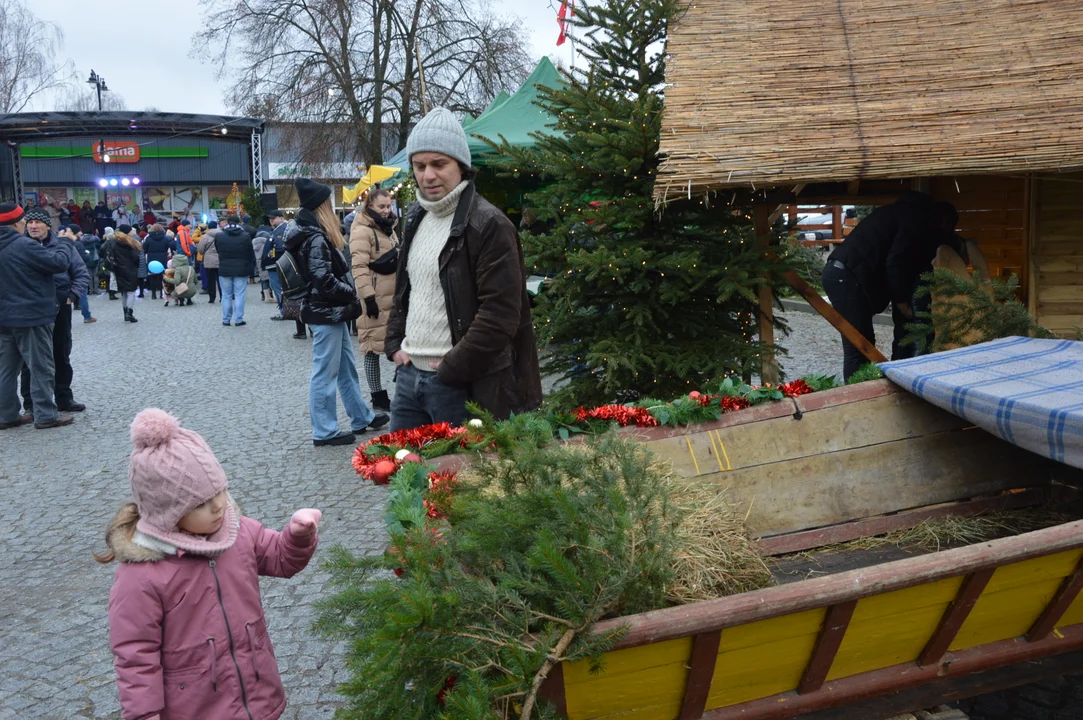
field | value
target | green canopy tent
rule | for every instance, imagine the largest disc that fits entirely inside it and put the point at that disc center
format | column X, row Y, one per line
column 514, row 118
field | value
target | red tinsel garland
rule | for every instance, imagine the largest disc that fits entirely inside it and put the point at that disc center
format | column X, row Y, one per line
column 621, row 414
column 795, row 388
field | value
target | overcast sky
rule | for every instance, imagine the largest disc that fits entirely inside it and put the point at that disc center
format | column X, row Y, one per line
column 151, row 67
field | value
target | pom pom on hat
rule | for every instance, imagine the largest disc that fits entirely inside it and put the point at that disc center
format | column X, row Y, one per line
column 153, row 427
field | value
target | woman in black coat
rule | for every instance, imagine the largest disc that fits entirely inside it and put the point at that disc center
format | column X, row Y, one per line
column 328, row 307
column 124, row 259
column 157, row 247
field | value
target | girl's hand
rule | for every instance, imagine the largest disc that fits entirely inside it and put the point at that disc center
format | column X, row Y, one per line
column 305, row 521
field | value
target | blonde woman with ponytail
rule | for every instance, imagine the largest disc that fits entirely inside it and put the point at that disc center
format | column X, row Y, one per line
column 327, row 308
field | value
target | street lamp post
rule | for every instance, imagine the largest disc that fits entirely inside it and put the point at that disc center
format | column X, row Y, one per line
column 99, row 82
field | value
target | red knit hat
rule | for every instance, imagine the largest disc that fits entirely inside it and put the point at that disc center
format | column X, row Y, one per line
column 173, row 471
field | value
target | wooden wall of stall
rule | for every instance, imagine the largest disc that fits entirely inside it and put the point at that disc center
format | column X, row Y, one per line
column 1056, row 253
column 992, row 210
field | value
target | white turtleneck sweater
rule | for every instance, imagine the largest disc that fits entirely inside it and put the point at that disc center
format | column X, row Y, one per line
column 428, row 334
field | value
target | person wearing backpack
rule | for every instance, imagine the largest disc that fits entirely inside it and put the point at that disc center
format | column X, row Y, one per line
column 271, row 252
column 329, row 303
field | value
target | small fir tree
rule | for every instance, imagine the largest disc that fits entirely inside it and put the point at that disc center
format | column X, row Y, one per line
column 645, row 301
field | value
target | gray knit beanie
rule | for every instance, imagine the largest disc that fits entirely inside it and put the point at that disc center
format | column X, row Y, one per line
column 439, row 132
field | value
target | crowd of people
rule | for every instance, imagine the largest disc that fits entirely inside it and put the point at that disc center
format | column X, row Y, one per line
column 446, row 302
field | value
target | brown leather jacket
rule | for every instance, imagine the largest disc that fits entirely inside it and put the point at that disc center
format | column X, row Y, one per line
column 483, row 275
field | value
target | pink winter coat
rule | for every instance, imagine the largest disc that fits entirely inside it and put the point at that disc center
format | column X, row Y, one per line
column 188, row 633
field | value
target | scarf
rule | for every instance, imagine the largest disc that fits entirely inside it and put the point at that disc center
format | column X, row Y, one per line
column 386, row 224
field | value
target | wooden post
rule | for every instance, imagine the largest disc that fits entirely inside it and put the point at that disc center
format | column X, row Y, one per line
column 769, row 367
column 836, row 222
column 837, row 321
column 1031, row 243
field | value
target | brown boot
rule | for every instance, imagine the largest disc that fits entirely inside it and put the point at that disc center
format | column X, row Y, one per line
column 61, row 420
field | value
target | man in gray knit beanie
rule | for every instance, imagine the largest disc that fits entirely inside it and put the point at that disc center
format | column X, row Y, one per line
column 460, row 326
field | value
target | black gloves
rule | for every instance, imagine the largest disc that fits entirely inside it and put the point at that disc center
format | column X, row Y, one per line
column 371, row 308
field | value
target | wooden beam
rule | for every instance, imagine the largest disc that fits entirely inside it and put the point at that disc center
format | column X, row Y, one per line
column 1031, row 242
column 769, row 366
column 853, row 187
column 954, row 617
column 700, row 673
column 1056, row 608
column 865, row 686
column 836, row 222
column 552, row 689
column 827, row 646
column 683, row 621
column 869, row 527
column 837, row 321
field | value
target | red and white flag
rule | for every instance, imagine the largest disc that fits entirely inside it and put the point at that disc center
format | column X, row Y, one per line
column 567, row 10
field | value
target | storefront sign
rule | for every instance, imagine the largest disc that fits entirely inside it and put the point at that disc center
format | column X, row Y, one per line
column 118, row 152
column 322, row 171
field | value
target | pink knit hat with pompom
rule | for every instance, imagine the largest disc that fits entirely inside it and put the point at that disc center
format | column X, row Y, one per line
column 172, row 472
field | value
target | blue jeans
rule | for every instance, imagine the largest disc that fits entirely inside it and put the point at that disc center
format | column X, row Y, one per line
column 84, row 306
column 276, row 287
column 421, row 399
column 334, row 368
column 233, row 289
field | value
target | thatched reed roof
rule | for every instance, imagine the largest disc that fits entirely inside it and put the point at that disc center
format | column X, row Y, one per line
column 769, row 93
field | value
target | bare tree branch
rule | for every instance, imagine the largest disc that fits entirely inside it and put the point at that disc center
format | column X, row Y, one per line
column 350, row 65
column 28, row 57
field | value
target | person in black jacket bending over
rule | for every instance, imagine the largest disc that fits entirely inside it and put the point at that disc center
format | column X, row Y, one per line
column 879, row 264
column 236, row 263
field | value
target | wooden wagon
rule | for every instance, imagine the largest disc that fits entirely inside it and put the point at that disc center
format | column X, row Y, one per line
column 861, row 643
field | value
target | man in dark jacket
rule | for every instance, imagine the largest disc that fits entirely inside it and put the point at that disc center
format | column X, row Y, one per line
column 879, row 263
column 27, row 313
column 71, row 284
column 272, row 251
column 87, row 248
column 236, row 263
column 460, row 325
column 103, row 217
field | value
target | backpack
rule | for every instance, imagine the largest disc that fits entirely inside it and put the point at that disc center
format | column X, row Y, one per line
column 292, row 278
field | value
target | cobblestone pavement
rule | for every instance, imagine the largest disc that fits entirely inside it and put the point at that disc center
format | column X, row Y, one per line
column 246, row 391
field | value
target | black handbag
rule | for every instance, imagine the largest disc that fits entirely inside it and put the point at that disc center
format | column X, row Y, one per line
column 294, row 284
column 387, row 263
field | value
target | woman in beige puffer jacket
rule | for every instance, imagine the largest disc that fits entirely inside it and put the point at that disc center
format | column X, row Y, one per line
column 371, row 237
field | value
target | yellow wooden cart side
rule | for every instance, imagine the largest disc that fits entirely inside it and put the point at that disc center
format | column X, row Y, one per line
column 826, row 468
column 784, row 651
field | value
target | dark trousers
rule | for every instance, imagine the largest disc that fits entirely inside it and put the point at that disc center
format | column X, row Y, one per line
column 849, row 299
column 63, row 372
column 421, row 399
column 154, row 283
column 32, row 346
column 212, row 283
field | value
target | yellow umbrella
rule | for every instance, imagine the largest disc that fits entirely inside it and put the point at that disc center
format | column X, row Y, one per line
column 376, row 173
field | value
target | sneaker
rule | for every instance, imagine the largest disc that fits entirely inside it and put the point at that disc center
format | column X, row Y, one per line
column 340, row 439
column 242, row 323
column 277, row 317
column 300, row 336
column 24, row 419
column 225, row 324
column 60, row 420
column 90, row 320
column 71, row 407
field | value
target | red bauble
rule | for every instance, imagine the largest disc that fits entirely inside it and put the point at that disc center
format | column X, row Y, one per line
column 412, row 457
column 694, row 395
column 381, row 474
column 398, row 572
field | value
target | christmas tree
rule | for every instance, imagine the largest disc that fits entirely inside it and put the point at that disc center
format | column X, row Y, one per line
column 645, row 301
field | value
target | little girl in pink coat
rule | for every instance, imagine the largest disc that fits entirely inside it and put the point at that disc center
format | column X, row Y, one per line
column 186, row 621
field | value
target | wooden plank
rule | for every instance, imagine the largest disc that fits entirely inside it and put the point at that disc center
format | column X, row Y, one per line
column 953, row 619
column 948, row 690
column 847, row 691
column 869, row 527
column 827, row 646
column 700, row 673
column 769, row 372
column 1060, row 603
column 837, row 321
column 679, row 622
column 552, row 689
column 1067, row 293
column 1030, row 243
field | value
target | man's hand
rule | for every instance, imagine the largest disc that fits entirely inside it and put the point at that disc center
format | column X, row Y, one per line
column 69, row 301
column 400, row 358
column 905, row 310
column 435, row 365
